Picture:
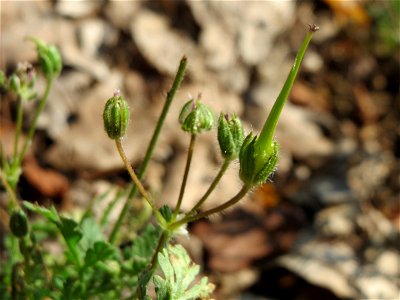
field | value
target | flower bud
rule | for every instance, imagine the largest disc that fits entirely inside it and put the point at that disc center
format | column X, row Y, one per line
column 19, row 223
column 49, row 58
column 15, row 83
column 230, row 136
column 196, row 117
column 55, row 59
column 254, row 171
column 116, row 117
column 22, row 82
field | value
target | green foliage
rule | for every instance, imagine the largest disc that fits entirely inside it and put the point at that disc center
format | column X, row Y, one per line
column 166, row 212
column 179, row 276
column 386, row 17
column 68, row 228
column 100, row 251
column 142, row 249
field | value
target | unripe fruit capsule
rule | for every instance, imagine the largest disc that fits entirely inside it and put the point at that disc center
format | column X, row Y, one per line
column 230, row 136
column 19, row 223
column 116, row 117
column 196, row 117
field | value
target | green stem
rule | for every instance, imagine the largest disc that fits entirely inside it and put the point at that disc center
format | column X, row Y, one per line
column 19, row 126
column 32, row 129
column 216, row 180
column 9, row 190
column 25, row 253
column 141, row 290
column 75, row 254
column 132, row 173
column 186, row 173
column 214, row 210
column 160, row 245
column 265, row 138
column 39, row 254
column 150, row 149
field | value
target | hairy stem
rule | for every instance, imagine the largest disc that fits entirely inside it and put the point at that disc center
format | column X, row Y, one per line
column 214, row 210
column 185, row 174
column 8, row 188
column 132, row 173
column 32, row 129
column 150, row 149
column 160, row 245
column 19, row 126
column 216, row 180
column 26, row 254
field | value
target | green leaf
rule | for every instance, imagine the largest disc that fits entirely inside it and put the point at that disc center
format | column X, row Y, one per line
column 179, row 276
column 166, row 212
column 50, row 214
column 163, row 291
column 144, row 244
column 101, row 251
column 91, row 233
column 70, row 231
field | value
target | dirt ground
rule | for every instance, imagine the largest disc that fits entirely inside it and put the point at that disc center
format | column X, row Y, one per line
column 327, row 225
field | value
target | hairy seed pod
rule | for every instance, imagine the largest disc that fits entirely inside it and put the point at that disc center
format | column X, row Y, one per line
column 230, row 136
column 19, row 223
column 196, row 117
column 254, row 171
column 15, row 83
column 49, row 58
column 55, row 57
column 116, row 117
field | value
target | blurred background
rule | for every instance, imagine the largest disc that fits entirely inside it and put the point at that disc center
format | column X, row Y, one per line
column 327, row 225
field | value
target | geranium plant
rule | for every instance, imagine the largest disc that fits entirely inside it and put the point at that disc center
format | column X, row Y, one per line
column 95, row 265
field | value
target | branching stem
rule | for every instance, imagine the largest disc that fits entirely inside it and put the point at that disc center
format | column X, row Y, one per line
column 216, row 180
column 222, row 207
column 150, row 149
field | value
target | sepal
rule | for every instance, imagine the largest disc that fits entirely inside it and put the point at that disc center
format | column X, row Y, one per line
column 196, row 117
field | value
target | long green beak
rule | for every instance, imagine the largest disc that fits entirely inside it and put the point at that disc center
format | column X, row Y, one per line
column 264, row 141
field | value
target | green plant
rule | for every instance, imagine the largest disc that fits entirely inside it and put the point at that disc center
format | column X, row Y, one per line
column 385, row 16
column 95, row 266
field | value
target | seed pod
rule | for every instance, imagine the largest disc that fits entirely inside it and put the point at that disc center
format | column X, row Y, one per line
column 230, row 136
column 19, row 223
column 49, row 58
column 116, row 117
column 196, row 117
column 269, row 166
column 15, row 83
column 46, row 64
column 254, row 172
column 55, row 57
